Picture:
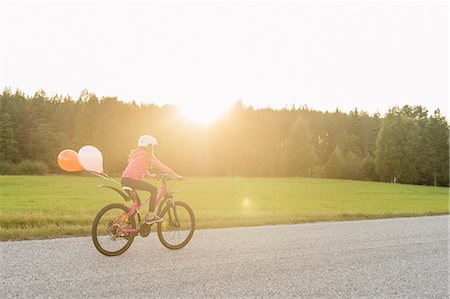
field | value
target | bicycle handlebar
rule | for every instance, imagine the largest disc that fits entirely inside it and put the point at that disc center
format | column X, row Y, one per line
column 166, row 177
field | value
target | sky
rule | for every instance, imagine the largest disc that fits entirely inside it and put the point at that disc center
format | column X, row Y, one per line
column 205, row 56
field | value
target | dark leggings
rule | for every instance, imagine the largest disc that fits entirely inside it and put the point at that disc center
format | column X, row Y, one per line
column 141, row 185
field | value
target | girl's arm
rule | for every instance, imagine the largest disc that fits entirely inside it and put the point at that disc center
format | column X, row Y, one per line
column 148, row 174
column 162, row 167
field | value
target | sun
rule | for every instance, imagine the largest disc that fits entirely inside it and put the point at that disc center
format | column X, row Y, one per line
column 203, row 114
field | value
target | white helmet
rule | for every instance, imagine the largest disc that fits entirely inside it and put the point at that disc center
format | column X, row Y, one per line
column 146, row 140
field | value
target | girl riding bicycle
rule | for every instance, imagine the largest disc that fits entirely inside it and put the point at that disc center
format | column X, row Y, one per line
column 139, row 162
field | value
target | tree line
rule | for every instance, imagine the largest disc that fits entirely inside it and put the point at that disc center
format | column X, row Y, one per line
column 406, row 145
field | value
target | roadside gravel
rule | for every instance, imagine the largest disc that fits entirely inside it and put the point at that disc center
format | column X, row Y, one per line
column 404, row 257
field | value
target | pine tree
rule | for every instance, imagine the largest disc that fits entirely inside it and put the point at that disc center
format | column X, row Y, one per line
column 395, row 156
column 8, row 150
column 298, row 154
column 335, row 165
column 435, row 163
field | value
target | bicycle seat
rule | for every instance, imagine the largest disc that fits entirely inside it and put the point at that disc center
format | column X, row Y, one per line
column 126, row 188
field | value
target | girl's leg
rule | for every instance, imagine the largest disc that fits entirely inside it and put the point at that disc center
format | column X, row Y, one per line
column 141, row 185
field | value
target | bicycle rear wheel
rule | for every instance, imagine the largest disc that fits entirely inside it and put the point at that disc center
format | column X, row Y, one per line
column 178, row 225
column 106, row 230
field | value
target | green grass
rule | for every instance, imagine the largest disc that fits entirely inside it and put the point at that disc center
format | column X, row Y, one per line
column 53, row 206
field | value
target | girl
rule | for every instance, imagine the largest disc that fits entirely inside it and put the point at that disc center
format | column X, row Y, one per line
column 138, row 164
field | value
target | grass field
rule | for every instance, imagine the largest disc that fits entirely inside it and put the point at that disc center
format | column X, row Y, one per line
column 52, row 206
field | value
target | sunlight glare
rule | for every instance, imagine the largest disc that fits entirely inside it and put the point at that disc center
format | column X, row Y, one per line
column 246, row 203
column 203, row 114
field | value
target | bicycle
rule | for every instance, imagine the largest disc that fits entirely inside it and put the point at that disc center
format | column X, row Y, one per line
column 115, row 227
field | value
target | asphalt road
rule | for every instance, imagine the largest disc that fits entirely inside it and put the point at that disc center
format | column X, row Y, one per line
column 405, row 257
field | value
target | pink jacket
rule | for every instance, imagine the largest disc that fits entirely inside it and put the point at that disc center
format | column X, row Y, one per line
column 139, row 164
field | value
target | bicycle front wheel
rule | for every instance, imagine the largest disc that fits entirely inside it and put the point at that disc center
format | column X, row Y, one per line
column 178, row 225
column 107, row 234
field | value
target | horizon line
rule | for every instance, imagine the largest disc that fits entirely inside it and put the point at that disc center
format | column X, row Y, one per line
column 287, row 106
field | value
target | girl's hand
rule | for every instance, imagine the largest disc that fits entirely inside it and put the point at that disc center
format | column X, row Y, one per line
column 179, row 177
column 150, row 175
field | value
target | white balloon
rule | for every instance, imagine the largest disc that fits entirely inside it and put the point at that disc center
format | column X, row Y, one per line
column 91, row 158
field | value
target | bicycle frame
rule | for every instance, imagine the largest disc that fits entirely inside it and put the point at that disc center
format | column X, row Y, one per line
column 137, row 205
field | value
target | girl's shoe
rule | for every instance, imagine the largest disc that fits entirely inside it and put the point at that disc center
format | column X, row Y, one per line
column 155, row 219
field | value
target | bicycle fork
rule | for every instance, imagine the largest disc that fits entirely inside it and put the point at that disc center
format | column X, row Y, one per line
column 173, row 221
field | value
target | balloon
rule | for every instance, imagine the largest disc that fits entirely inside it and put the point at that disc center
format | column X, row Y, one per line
column 68, row 160
column 91, row 158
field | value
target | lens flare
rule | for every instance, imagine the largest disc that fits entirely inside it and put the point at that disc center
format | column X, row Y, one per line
column 247, row 203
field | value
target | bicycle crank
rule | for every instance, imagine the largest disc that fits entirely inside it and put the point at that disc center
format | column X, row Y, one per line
column 144, row 230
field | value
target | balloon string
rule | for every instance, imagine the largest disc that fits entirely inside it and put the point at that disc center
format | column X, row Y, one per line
column 111, row 178
column 103, row 176
column 96, row 174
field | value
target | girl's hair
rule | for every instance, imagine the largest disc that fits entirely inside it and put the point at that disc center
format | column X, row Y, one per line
column 135, row 150
column 139, row 148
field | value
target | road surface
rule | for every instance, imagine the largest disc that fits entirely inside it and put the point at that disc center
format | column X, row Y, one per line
column 405, row 257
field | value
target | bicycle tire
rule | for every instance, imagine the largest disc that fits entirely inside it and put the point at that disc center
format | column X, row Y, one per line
column 164, row 211
column 95, row 235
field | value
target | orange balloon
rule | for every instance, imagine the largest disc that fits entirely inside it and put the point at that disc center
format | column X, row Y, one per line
column 68, row 160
